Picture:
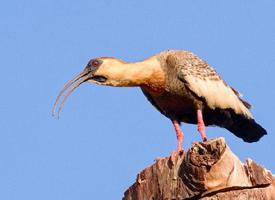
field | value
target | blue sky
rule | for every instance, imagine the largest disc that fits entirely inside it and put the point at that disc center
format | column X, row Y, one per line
column 105, row 135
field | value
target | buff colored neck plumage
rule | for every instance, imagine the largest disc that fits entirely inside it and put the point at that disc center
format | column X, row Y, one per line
column 147, row 73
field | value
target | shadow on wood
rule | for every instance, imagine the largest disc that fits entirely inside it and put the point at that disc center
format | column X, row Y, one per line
column 209, row 170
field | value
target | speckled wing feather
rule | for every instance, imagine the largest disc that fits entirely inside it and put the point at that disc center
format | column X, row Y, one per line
column 204, row 81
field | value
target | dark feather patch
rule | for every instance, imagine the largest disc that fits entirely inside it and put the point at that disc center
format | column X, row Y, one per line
column 241, row 126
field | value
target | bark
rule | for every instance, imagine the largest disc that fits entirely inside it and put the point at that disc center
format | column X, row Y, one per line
column 208, row 170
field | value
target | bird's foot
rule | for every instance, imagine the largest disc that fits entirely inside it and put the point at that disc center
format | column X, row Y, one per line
column 203, row 139
column 176, row 153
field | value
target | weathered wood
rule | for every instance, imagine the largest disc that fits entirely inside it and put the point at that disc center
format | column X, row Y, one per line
column 209, row 170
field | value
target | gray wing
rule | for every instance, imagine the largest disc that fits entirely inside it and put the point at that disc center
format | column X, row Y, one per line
column 204, row 81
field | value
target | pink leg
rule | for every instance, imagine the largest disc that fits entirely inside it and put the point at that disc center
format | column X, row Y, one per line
column 201, row 126
column 179, row 134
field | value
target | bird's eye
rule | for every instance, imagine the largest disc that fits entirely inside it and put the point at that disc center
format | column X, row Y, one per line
column 94, row 63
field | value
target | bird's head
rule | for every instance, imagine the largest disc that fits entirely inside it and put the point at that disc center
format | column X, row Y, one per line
column 112, row 72
column 107, row 71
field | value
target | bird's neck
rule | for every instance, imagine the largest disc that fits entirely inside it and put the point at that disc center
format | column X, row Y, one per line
column 147, row 73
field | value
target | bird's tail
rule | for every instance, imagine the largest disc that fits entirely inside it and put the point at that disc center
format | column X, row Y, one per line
column 246, row 128
column 239, row 124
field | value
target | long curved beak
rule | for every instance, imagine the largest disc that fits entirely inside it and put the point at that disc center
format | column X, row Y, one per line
column 77, row 81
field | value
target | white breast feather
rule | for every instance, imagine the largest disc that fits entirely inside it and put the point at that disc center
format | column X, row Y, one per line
column 217, row 94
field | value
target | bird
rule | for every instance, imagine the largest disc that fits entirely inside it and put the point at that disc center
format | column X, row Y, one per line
column 181, row 86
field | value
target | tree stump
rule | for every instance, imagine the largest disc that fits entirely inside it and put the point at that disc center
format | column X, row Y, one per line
column 208, row 170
